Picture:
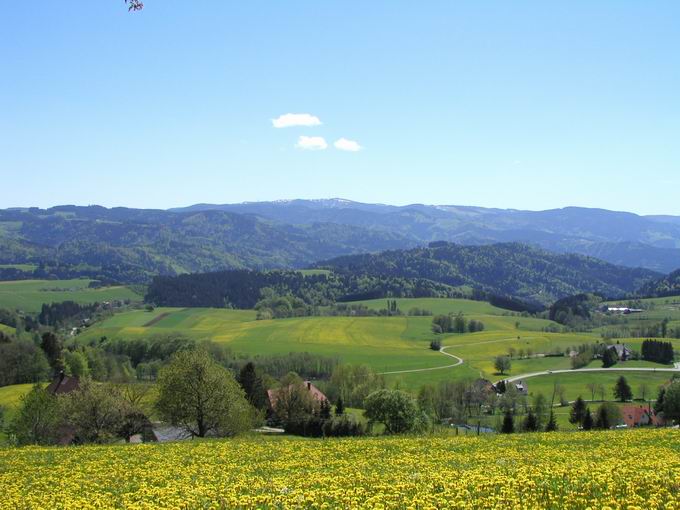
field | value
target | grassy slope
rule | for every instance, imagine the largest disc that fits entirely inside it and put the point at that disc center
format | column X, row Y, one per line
column 10, row 396
column 385, row 343
column 29, row 295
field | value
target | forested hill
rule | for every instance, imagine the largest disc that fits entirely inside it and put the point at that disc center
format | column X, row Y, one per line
column 133, row 245
column 666, row 286
column 507, row 269
column 510, row 275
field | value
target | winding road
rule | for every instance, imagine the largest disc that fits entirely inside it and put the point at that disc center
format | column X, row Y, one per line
column 459, row 361
column 574, row 370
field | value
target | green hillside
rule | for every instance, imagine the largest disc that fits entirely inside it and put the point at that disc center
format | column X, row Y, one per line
column 388, row 344
column 29, row 295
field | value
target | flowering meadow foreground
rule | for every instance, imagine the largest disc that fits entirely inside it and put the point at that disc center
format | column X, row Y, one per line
column 627, row 469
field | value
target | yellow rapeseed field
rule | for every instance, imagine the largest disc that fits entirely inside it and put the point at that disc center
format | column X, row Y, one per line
column 626, row 469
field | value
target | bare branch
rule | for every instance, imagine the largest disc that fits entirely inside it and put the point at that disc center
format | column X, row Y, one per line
column 134, row 5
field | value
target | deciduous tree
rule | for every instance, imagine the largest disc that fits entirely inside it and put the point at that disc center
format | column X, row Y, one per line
column 502, row 364
column 393, row 408
column 202, row 397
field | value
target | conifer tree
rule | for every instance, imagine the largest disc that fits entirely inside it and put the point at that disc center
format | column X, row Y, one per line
column 551, row 426
column 325, row 410
column 609, row 358
column 531, row 422
column 578, row 411
column 339, row 407
column 622, row 390
column 253, row 386
column 587, row 420
column 508, row 423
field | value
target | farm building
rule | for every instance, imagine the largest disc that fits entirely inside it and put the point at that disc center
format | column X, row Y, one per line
column 63, row 384
column 502, row 386
column 315, row 393
column 624, row 310
column 639, row 416
column 521, row 387
column 483, row 386
column 622, row 352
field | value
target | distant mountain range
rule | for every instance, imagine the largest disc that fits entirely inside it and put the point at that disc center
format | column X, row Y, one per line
column 621, row 238
column 133, row 245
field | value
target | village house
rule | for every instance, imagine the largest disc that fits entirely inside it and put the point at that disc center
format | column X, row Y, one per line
column 639, row 416
column 622, row 352
column 316, row 394
column 63, row 384
column 521, row 387
column 484, row 387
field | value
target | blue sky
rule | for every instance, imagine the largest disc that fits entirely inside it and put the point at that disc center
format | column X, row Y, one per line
column 529, row 105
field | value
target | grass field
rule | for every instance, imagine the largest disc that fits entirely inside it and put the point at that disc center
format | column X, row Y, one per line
column 437, row 306
column 550, row 471
column 575, row 383
column 387, row 344
column 10, row 397
column 20, row 267
column 29, row 295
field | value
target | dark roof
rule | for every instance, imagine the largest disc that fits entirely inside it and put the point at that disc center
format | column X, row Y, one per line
column 63, row 384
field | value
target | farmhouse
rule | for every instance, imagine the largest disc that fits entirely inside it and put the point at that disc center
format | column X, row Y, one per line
column 63, row 384
column 484, row 386
column 638, row 416
column 622, row 352
column 502, row 386
column 315, row 393
column 521, row 387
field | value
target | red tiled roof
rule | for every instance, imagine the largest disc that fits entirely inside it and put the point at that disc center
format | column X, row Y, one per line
column 634, row 416
column 313, row 390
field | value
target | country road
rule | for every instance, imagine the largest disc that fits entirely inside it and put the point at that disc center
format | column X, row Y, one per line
column 443, row 351
column 573, row 371
column 459, row 361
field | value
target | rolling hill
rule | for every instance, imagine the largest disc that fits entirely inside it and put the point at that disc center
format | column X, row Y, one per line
column 509, row 269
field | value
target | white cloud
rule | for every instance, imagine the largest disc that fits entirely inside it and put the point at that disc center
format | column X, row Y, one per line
column 311, row 143
column 343, row 144
column 296, row 119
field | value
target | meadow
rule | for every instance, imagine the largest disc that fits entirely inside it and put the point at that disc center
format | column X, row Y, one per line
column 462, row 472
column 29, row 295
column 387, row 344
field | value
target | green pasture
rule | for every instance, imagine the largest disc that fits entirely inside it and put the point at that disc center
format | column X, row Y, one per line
column 387, row 344
column 436, row 305
column 10, row 398
column 29, row 295
column 384, row 343
column 20, row 267
column 575, row 383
